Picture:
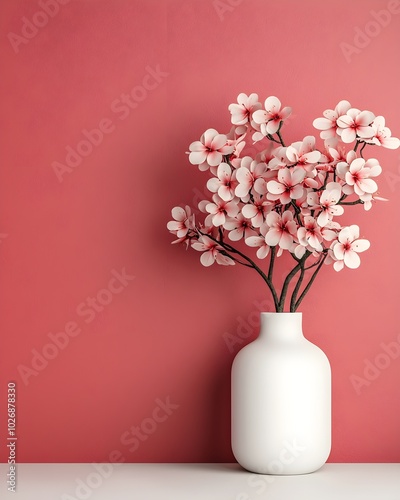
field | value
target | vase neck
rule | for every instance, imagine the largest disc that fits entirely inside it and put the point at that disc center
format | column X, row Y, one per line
column 281, row 326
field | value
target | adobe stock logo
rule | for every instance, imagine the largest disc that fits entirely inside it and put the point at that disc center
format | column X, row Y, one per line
column 290, row 452
column 31, row 27
column 246, row 327
column 373, row 369
column 132, row 438
column 392, row 178
column 223, row 6
column 88, row 310
column 363, row 37
column 121, row 107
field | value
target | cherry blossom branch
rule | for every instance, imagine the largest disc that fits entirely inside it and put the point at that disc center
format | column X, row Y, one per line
column 356, row 202
column 297, row 211
column 271, row 263
column 289, row 278
column 300, row 280
column 269, row 136
column 315, row 264
column 231, row 249
column 297, row 288
column 224, row 252
column 361, row 150
column 282, row 175
column 326, row 180
column 278, row 133
column 311, row 281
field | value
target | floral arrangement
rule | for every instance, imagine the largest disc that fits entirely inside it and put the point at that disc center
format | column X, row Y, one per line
column 286, row 197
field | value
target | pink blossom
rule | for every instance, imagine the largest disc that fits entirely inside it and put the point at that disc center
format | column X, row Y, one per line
column 337, row 152
column 224, row 184
column 257, row 210
column 279, row 159
column 330, row 231
column 184, row 221
column 270, row 119
column 288, row 185
column 283, row 197
column 211, row 253
column 259, row 241
column 347, row 247
column 343, row 166
column 266, row 154
column 238, row 143
column 382, row 135
column 242, row 111
column 247, row 175
column 328, row 203
column 220, row 208
column 355, row 123
column 301, row 203
column 328, row 124
column 282, row 229
column 303, row 153
column 310, row 234
column 209, row 150
column 315, row 179
column 359, row 176
column 368, row 199
column 239, row 227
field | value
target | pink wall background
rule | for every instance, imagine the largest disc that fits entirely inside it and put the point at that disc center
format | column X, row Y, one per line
column 163, row 335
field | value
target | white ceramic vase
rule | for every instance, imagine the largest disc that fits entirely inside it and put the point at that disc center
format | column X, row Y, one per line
column 281, row 400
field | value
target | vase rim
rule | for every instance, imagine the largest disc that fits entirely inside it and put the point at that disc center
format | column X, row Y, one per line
column 286, row 313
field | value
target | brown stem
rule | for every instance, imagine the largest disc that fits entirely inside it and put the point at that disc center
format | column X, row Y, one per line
column 271, row 263
column 356, row 202
column 230, row 249
column 361, row 150
column 289, row 277
column 311, row 281
column 297, row 288
column 278, row 133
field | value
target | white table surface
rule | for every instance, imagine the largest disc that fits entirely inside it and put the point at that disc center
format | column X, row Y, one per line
column 200, row 482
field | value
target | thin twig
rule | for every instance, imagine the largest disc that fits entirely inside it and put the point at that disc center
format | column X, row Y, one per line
column 286, row 283
column 271, row 263
column 314, row 275
column 230, row 249
column 361, row 150
column 269, row 136
column 278, row 133
column 297, row 288
column 356, row 202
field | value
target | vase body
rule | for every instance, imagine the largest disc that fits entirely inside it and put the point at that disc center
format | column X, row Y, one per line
column 281, row 400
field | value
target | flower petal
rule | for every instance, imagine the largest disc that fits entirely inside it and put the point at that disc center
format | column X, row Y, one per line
column 197, row 157
column 178, row 213
column 351, row 259
column 208, row 136
column 218, row 141
column 312, row 157
column 322, row 124
column 260, row 116
column 368, row 185
column 214, row 158
column 272, row 237
column 275, row 187
column 361, row 245
column 286, row 241
column 254, row 241
column 272, row 104
column 348, row 135
column 207, row 259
